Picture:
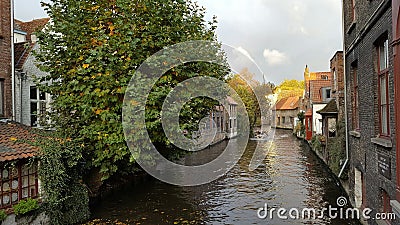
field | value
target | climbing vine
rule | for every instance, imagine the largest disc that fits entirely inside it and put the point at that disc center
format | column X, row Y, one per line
column 336, row 149
column 65, row 197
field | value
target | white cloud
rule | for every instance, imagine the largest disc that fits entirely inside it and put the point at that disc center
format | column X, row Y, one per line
column 274, row 57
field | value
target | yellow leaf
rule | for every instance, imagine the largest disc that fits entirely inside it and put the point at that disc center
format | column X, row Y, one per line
column 81, row 57
column 98, row 111
column 13, row 139
column 85, row 66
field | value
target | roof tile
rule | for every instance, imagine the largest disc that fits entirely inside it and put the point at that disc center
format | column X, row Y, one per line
column 288, row 103
column 11, row 147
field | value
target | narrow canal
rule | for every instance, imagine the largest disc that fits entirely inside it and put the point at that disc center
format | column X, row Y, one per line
column 290, row 177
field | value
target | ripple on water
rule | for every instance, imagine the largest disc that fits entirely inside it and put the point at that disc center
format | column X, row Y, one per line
column 290, row 176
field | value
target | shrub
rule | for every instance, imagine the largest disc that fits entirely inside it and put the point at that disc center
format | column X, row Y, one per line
column 3, row 215
column 25, row 206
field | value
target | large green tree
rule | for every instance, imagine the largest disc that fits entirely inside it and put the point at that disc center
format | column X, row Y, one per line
column 92, row 48
column 253, row 94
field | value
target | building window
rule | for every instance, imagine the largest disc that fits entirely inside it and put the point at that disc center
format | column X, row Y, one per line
column 355, row 116
column 17, row 183
column 383, row 88
column 331, row 127
column 326, row 94
column 283, row 119
column 324, row 77
column 2, row 98
column 39, row 102
column 334, row 80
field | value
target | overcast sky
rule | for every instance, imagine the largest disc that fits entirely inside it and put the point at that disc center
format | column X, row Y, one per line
column 281, row 36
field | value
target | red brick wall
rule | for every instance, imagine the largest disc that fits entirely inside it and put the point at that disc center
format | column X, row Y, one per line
column 5, row 55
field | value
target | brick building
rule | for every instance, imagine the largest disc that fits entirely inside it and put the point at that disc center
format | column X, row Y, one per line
column 317, row 94
column 396, row 71
column 284, row 113
column 370, row 84
column 337, row 85
column 5, row 60
column 334, row 111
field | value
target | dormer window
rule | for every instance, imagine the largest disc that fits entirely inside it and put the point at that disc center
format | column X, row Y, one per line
column 326, row 94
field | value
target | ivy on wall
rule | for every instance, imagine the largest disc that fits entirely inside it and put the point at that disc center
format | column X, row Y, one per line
column 336, row 149
column 65, row 198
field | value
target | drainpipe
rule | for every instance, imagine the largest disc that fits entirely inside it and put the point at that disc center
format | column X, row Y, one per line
column 345, row 99
column 12, row 61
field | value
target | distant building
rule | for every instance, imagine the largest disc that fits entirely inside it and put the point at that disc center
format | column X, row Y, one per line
column 371, row 39
column 231, row 118
column 337, row 85
column 285, row 111
column 30, row 103
column 221, row 121
column 333, row 112
column 316, row 95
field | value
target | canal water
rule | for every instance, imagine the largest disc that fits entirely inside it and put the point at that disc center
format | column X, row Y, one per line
column 290, row 177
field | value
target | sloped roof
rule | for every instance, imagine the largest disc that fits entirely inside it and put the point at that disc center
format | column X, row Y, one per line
column 315, row 89
column 31, row 26
column 330, row 108
column 288, row 103
column 231, row 101
column 23, row 49
column 12, row 146
column 21, row 53
column 315, row 76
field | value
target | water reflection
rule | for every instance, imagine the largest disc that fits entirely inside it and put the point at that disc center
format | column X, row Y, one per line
column 290, row 176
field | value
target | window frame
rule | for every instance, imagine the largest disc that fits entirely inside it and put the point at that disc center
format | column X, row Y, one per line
column 335, row 82
column 41, row 99
column 19, row 177
column 383, row 73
